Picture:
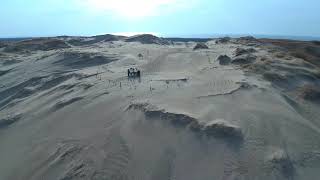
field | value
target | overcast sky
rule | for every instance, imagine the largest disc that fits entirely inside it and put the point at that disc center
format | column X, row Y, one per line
column 25, row 18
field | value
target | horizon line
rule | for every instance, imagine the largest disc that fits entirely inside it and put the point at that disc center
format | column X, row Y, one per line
column 189, row 36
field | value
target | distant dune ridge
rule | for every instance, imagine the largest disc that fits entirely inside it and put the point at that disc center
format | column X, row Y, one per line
column 43, row 44
column 147, row 39
column 217, row 108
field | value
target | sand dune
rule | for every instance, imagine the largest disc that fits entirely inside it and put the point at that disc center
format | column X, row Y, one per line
column 240, row 108
column 43, row 44
column 147, row 39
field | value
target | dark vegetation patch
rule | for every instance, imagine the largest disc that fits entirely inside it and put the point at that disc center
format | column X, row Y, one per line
column 242, row 51
column 248, row 38
column 290, row 81
column 224, row 60
column 280, row 55
column 223, row 40
column 244, row 59
column 200, row 46
column 248, row 41
column 310, row 93
column 3, row 44
column 274, row 77
column 306, row 50
column 314, row 50
column 284, row 74
column 316, row 43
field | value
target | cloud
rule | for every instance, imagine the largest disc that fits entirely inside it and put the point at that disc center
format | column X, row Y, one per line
column 133, row 8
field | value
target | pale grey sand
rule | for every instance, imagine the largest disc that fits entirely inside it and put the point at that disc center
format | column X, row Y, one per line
column 241, row 109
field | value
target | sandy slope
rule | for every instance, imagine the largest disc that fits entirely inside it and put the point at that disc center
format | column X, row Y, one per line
column 71, row 113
